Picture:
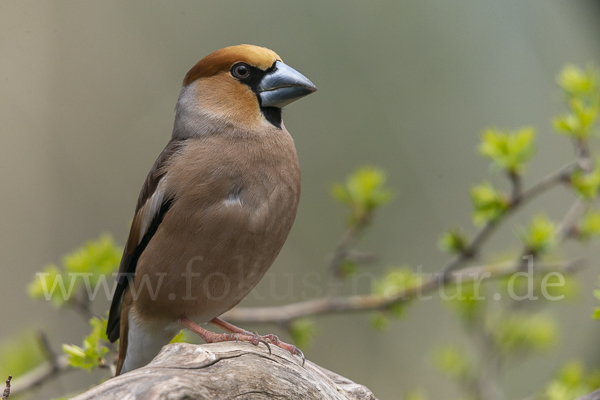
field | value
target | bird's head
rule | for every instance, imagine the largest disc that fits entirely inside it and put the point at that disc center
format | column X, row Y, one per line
column 241, row 86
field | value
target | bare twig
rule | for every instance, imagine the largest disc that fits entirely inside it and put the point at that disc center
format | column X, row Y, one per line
column 47, row 349
column 41, row 374
column 54, row 365
column 342, row 253
column 370, row 302
column 517, row 185
column 518, row 200
column 7, row 388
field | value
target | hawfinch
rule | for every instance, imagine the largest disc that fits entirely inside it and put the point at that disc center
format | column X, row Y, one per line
column 216, row 207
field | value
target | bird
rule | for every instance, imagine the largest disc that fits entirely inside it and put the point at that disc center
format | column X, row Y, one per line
column 215, row 208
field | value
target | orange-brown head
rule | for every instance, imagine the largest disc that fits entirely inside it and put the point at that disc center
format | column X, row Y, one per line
column 242, row 86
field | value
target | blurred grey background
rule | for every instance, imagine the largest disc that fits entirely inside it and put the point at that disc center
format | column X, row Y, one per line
column 87, row 91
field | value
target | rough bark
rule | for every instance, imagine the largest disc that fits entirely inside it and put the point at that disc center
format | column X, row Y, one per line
column 227, row 370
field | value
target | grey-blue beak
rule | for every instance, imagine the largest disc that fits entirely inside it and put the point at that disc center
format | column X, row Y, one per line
column 283, row 86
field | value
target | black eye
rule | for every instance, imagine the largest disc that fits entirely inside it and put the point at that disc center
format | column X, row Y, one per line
column 241, row 71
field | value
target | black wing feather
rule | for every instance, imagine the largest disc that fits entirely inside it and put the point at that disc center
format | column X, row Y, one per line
column 134, row 250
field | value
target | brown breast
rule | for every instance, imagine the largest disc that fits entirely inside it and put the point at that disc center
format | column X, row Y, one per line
column 224, row 230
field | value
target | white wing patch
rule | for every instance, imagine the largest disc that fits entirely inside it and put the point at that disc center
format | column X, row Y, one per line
column 151, row 208
column 233, row 200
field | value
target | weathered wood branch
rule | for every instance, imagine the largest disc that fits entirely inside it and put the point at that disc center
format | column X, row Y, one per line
column 227, row 370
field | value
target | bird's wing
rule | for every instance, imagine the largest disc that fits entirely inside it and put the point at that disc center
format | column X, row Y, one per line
column 153, row 203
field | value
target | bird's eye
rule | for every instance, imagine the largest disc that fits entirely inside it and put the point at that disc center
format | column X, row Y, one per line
column 241, row 71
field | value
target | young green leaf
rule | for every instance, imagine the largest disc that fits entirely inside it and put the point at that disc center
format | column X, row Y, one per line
column 452, row 362
column 520, row 332
column 582, row 90
column 589, row 225
column 454, row 241
column 363, row 192
column 488, row 203
column 510, row 151
column 98, row 257
column 466, row 300
column 380, row 321
column 395, row 281
column 572, row 382
column 586, row 185
column 576, row 81
column 181, row 337
column 91, row 355
column 580, row 121
column 95, row 260
column 51, row 284
column 540, row 235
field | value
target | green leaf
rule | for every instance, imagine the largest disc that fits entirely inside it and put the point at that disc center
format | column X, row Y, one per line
column 569, row 290
column 572, row 382
column 540, row 235
column 397, row 309
column 303, row 332
column 180, row 337
column 452, row 362
column 363, row 192
column 582, row 89
column 586, row 185
column 520, row 332
column 380, row 321
column 395, row 281
column 509, row 150
column 468, row 304
column 589, row 225
column 98, row 257
column 454, row 241
column 488, row 203
column 50, row 284
column 348, row 268
column 580, row 121
column 88, row 264
column 91, row 355
column 576, row 81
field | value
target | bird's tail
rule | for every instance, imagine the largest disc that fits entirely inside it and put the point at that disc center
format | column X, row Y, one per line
column 141, row 342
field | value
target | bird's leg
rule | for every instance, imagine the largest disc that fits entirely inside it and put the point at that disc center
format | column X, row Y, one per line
column 270, row 337
column 211, row 337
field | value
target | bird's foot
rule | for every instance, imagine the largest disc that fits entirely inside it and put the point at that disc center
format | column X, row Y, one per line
column 273, row 339
column 270, row 338
column 211, row 337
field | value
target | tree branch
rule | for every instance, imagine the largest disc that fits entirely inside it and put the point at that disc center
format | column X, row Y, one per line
column 41, row 374
column 227, row 370
column 518, row 200
column 327, row 305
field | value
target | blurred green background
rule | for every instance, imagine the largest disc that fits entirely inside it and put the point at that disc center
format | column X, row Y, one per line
column 87, row 92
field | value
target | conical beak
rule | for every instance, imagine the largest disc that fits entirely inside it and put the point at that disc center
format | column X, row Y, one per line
column 283, row 86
